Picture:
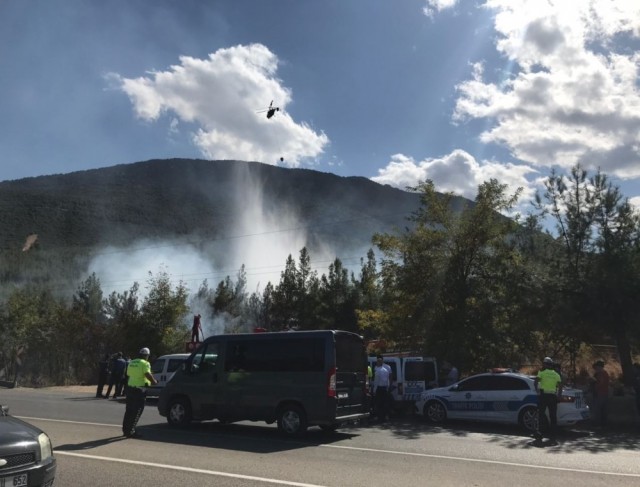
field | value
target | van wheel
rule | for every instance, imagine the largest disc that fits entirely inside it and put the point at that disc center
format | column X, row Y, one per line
column 179, row 412
column 435, row 412
column 528, row 419
column 292, row 420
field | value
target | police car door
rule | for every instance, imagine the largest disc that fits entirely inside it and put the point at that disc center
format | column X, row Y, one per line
column 507, row 396
column 467, row 399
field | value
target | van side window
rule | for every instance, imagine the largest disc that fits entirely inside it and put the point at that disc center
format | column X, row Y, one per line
column 290, row 355
column 415, row 370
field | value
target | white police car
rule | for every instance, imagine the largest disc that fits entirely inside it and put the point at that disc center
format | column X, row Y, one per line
column 499, row 397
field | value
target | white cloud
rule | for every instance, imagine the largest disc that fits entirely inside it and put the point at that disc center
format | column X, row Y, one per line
column 457, row 172
column 572, row 94
column 432, row 7
column 221, row 95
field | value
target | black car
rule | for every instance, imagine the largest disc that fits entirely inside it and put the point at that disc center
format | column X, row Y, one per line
column 26, row 454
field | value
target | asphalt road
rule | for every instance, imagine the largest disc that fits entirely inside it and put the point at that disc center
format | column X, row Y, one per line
column 90, row 451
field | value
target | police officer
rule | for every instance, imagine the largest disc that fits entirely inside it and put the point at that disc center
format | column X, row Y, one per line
column 549, row 387
column 139, row 374
column 381, row 387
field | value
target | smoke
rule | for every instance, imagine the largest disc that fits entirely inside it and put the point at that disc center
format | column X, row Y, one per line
column 262, row 237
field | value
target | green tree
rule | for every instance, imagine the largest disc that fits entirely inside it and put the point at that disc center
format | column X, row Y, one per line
column 123, row 314
column 164, row 309
column 598, row 270
column 338, row 297
column 446, row 279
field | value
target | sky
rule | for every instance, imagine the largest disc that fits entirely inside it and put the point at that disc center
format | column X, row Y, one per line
column 398, row 91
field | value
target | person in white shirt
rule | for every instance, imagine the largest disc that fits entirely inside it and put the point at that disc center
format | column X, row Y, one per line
column 381, row 385
column 452, row 374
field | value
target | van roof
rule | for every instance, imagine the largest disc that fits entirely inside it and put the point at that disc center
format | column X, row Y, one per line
column 287, row 334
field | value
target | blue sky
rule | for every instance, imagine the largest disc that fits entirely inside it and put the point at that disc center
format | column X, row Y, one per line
column 397, row 91
column 394, row 90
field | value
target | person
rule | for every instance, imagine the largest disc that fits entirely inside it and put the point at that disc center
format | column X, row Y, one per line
column 123, row 383
column 103, row 375
column 139, row 374
column 600, row 383
column 451, row 373
column 196, row 329
column 381, row 386
column 549, row 388
column 115, row 379
column 636, row 383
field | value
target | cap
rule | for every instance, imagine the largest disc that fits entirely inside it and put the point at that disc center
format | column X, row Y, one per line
column 144, row 351
column 547, row 360
column 599, row 363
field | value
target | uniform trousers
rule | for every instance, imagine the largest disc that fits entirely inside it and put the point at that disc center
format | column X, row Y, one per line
column 135, row 405
column 550, row 402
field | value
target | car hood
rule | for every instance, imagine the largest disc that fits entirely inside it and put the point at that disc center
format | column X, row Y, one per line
column 436, row 391
column 15, row 433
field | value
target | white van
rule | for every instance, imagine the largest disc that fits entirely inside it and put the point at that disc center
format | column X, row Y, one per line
column 163, row 368
column 411, row 376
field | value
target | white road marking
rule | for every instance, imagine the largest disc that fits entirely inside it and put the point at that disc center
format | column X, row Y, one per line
column 188, row 469
column 479, row 460
column 375, row 450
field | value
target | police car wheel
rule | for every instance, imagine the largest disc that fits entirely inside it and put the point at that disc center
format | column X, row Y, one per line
column 292, row 420
column 528, row 419
column 179, row 412
column 435, row 412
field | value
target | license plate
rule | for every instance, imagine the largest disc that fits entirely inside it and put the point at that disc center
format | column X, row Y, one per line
column 343, row 395
column 15, row 481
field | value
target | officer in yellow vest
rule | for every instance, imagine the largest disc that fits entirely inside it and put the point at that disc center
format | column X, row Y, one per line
column 139, row 377
column 549, row 388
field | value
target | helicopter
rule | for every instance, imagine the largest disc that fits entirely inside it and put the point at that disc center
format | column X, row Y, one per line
column 271, row 111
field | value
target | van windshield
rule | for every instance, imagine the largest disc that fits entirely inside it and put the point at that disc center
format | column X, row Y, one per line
column 350, row 353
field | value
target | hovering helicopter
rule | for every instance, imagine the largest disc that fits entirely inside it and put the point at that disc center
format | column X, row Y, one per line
column 271, row 111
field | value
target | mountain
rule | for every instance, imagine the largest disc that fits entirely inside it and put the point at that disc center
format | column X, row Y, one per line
column 212, row 205
column 178, row 197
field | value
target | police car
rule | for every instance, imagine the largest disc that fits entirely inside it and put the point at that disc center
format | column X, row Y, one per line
column 499, row 397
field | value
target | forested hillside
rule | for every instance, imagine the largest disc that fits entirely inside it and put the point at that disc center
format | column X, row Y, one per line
column 186, row 200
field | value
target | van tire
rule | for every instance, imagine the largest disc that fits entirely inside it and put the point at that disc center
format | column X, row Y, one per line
column 292, row 421
column 435, row 412
column 528, row 419
column 179, row 412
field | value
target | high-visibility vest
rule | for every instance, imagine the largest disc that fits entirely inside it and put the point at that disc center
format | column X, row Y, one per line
column 137, row 370
column 548, row 380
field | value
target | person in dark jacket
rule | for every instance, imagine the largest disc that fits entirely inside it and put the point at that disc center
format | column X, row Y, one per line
column 103, row 375
column 117, row 372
